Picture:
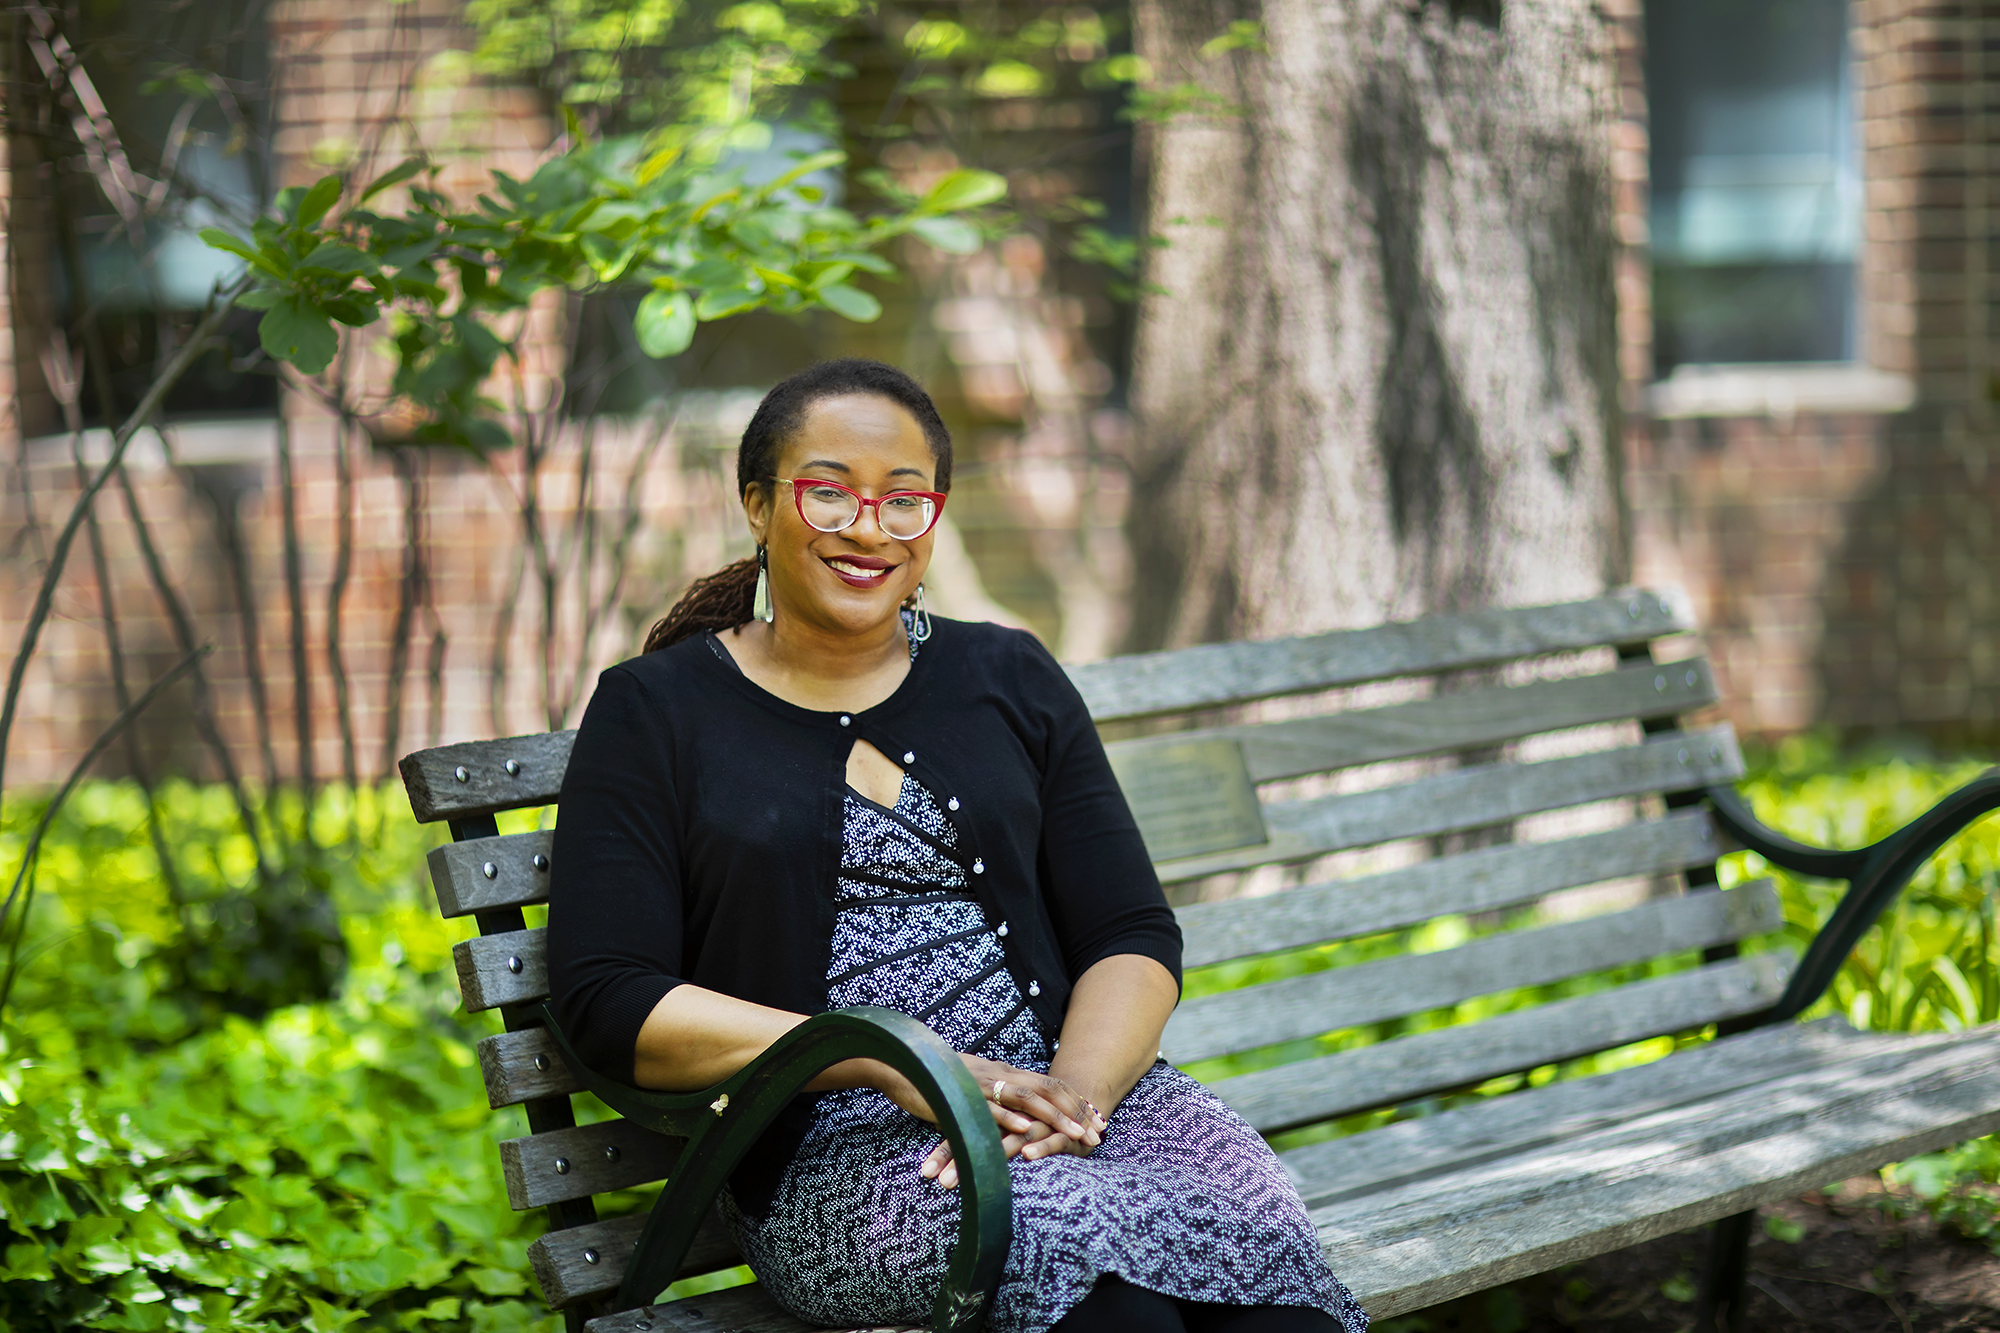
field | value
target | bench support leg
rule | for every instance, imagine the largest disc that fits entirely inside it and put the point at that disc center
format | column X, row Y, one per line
column 1722, row 1295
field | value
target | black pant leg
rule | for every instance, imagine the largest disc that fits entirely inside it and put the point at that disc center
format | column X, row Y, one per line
column 1116, row 1306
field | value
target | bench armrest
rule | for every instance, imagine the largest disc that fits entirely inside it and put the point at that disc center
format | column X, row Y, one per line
column 721, row 1124
column 1875, row 875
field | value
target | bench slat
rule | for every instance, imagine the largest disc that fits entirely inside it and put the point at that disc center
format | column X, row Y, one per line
column 1433, row 1146
column 1476, row 881
column 1409, row 1248
column 566, row 1271
column 562, row 1164
column 1470, row 798
column 522, row 1065
column 1225, row 673
column 1305, row 1006
column 1298, row 746
column 511, row 967
column 519, row 875
column 746, row 1309
column 437, row 792
column 1428, row 1062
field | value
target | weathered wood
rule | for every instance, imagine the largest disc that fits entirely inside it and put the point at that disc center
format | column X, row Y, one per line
column 480, row 874
column 1408, row 1067
column 1476, row 797
column 511, row 967
column 589, row 1159
column 1305, row 1006
column 1224, row 673
column 488, row 785
column 1411, row 1247
column 521, row 1065
column 589, row 1260
column 1476, row 881
column 747, row 1309
column 1434, row 1146
column 1298, row 746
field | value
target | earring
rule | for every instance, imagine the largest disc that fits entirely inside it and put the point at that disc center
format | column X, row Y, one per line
column 760, row 604
column 920, row 616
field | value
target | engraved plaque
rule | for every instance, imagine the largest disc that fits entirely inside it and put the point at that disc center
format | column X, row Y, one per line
column 1190, row 798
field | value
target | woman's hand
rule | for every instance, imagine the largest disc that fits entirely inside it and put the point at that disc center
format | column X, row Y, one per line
column 1039, row 1116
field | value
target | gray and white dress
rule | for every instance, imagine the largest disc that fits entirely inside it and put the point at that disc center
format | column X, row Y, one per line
column 1181, row 1197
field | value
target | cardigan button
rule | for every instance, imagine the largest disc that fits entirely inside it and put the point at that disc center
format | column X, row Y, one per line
column 846, row 721
column 952, row 804
column 978, row 867
column 1034, row 988
column 909, row 756
column 1002, row 930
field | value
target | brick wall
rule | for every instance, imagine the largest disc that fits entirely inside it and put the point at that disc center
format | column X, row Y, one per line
column 1839, row 549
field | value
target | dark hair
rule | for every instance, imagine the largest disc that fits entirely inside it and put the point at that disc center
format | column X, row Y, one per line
column 723, row 600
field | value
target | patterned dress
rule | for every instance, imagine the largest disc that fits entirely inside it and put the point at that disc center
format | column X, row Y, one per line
column 1181, row 1197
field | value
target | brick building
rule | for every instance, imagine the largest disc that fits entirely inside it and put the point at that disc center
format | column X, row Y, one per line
column 1812, row 466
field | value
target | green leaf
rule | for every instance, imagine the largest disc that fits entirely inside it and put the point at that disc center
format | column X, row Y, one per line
column 852, row 302
column 394, row 176
column 319, row 198
column 665, row 323
column 297, row 332
column 952, row 235
column 964, row 188
column 217, row 239
column 718, row 302
column 333, row 257
column 263, row 298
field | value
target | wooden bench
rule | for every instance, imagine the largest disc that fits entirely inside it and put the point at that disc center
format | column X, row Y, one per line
column 1462, row 780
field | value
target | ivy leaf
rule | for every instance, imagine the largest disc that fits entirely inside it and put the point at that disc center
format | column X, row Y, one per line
column 297, row 332
column 333, row 257
column 852, row 302
column 665, row 323
column 263, row 298
column 952, row 235
column 964, row 188
column 217, row 239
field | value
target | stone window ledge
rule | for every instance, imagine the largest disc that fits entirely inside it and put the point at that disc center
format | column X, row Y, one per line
column 228, row 440
column 1780, row 391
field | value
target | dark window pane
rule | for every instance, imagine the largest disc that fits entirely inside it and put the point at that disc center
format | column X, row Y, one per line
column 1756, row 191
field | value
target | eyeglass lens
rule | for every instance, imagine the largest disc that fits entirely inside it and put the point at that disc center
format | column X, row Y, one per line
column 831, row 509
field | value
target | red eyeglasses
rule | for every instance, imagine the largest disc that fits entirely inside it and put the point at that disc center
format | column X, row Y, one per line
column 832, row 507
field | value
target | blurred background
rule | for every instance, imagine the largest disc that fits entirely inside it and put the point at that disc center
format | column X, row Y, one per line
column 1296, row 315
column 1373, row 309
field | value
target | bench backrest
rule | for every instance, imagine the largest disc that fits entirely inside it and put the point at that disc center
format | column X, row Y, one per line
column 1386, row 791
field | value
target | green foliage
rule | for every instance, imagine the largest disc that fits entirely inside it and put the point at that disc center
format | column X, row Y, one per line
column 666, row 214
column 330, row 1165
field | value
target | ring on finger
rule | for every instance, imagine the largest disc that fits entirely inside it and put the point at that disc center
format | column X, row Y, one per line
column 998, row 1084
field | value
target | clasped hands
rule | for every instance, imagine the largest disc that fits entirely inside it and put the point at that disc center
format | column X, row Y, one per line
column 1039, row 1116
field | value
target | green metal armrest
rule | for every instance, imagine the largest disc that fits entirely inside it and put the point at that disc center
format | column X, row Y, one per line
column 1875, row 875
column 722, row 1123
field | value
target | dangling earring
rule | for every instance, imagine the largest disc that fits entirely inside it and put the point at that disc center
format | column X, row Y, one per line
column 760, row 605
column 920, row 616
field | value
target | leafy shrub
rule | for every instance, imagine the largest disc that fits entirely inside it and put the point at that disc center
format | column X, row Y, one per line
column 327, row 1166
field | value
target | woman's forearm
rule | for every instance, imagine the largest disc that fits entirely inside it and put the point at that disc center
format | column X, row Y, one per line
column 695, row 1038
column 1111, row 1036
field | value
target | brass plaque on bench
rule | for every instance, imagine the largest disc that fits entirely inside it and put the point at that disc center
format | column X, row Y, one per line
column 1190, row 798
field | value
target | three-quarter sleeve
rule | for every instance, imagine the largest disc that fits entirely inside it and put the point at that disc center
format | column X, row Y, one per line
column 615, row 893
column 1102, row 894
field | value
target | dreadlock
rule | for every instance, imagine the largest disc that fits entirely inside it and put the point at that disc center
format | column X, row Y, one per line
column 723, row 600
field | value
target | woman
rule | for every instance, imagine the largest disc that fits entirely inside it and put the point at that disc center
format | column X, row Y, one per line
column 808, row 793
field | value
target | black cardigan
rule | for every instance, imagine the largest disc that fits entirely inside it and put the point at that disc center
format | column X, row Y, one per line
column 700, row 830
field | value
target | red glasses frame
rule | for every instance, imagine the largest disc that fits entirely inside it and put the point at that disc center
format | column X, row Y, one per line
column 799, row 486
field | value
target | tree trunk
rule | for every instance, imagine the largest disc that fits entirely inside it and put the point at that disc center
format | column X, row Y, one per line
column 1377, row 375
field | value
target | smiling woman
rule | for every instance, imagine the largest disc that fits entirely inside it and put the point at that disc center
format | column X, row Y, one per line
column 807, row 794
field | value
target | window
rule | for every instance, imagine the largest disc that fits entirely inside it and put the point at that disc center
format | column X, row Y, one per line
column 1756, row 209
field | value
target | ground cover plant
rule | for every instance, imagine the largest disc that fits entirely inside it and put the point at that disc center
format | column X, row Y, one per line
column 167, row 1163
